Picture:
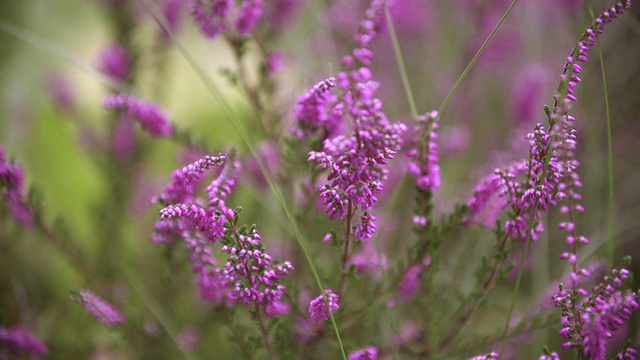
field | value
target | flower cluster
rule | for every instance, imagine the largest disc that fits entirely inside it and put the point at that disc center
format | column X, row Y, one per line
column 489, row 356
column 355, row 161
column 552, row 356
column 12, row 187
column 214, row 17
column 20, row 341
column 424, row 166
column 588, row 324
column 311, row 114
column 249, row 275
column 318, row 307
column 369, row 353
column 101, row 310
column 114, row 62
column 149, row 115
column 563, row 128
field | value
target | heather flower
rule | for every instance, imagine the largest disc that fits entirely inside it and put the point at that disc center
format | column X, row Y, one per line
column 20, row 341
column 248, row 16
column 249, row 275
column 124, row 138
column 172, row 11
column 424, row 165
column 214, row 17
column 149, row 115
column 279, row 13
column 189, row 338
column 490, row 356
column 552, row 356
column 101, row 310
column 12, row 188
column 311, row 111
column 270, row 156
column 114, row 62
column 588, row 325
column 275, row 63
column 369, row 353
column 61, row 92
column 209, row 15
column 563, row 129
column 367, row 260
column 355, row 161
column 183, row 181
column 318, row 308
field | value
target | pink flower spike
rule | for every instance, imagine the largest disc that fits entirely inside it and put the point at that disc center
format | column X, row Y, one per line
column 101, row 310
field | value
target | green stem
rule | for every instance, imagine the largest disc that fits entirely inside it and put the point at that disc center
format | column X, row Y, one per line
column 611, row 241
column 523, row 259
column 475, row 58
column 401, row 66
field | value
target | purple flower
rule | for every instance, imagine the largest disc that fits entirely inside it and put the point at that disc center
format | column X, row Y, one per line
column 248, row 16
column 552, row 356
column 20, row 341
column 183, row 181
column 355, row 161
column 101, row 310
column 490, row 356
column 311, row 114
column 114, row 62
column 61, row 92
column 278, row 13
column 424, row 166
column 368, row 353
column 124, row 138
column 149, row 115
column 589, row 324
column 209, row 15
column 172, row 11
column 214, row 17
column 249, row 275
column 318, row 308
column 12, row 188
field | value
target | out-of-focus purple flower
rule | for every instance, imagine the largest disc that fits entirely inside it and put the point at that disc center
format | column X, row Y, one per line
column 124, row 138
column 172, row 11
column 189, row 338
column 12, row 188
column 214, row 17
column 528, row 94
column 368, row 353
column 20, row 341
column 210, row 15
column 318, row 308
column 490, row 356
column 410, row 282
column 270, row 156
column 101, row 310
column 114, row 62
column 277, row 308
column 61, row 92
column 275, row 63
column 149, row 115
column 248, row 16
column 368, row 261
column 279, row 13
column 552, row 356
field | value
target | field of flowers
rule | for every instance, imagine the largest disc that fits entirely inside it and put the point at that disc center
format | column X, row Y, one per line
column 319, row 179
